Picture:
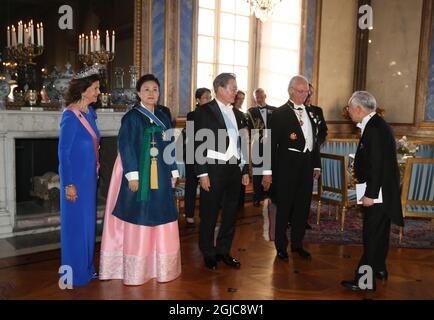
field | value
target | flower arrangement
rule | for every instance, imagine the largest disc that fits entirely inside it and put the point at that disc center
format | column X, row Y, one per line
column 403, row 146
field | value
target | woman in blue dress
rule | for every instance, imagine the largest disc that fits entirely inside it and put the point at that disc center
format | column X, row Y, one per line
column 78, row 170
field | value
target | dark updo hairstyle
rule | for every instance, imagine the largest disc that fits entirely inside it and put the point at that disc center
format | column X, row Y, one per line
column 146, row 78
column 200, row 92
column 78, row 86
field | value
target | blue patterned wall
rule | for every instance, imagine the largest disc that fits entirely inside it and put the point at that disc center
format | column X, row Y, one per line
column 310, row 38
column 158, row 43
column 186, row 34
column 429, row 111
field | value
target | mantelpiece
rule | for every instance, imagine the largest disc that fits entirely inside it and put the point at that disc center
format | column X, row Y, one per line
column 29, row 124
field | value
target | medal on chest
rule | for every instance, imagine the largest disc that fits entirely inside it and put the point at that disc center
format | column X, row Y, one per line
column 299, row 114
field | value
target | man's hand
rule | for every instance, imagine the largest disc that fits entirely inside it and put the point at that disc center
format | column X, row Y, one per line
column 316, row 174
column 245, row 180
column 174, row 182
column 205, row 184
column 367, row 202
column 133, row 185
column 266, row 182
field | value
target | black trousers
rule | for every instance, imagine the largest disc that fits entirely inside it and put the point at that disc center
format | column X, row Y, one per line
column 257, row 188
column 293, row 198
column 224, row 192
column 242, row 196
column 376, row 234
column 191, row 182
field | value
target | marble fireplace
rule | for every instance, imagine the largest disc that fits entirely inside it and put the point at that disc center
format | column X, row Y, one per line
column 18, row 124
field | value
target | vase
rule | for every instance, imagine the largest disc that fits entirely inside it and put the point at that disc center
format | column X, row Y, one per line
column 130, row 93
column 118, row 94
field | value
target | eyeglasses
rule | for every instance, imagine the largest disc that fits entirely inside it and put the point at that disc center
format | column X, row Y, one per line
column 300, row 91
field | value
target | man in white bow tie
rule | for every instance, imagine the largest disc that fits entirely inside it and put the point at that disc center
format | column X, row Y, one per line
column 295, row 162
column 259, row 118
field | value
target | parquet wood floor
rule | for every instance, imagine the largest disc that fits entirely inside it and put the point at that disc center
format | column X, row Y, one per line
column 411, row 273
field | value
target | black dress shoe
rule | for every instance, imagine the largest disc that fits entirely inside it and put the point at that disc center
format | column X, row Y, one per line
column 228, row 260
column 282, row 255
column 210, row 263
column 256, row 203
column 354, row 286
column 382, row 275
column 301, row 252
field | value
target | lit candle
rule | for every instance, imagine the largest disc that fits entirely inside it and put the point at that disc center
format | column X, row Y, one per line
column 20, row 32
column 26, row 35
column 9, row 37
column 32, row 35
column 91, row 41
column 42, row 35
column 113, row 42
column 79, row 44
column 82, row 44
column 38, row 34
column 107, row 41
column 98, row 41
column 14, row 36
column 87, row 45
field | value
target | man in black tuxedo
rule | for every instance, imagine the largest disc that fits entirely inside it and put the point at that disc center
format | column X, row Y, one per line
column 259, row 119
column 295, row 162
column 238, row 104
column 220, row 166
column 376, row 165
column 202, row 95
column 322, row 125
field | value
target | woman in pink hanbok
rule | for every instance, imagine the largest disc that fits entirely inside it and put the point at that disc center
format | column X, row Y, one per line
column 140, row 239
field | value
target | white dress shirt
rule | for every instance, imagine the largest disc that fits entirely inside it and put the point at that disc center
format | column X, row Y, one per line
column 232, row 150
column 307, row 132
column 365, row 120
column 306, row 127
column 263, row 112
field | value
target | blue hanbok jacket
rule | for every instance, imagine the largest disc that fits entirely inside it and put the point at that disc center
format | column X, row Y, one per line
column 161, row 207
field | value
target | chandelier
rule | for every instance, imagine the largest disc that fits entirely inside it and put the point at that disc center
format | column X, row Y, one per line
column 263, row 9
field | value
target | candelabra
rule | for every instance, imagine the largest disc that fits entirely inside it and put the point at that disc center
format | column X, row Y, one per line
column 24, row 54
column 101, row 57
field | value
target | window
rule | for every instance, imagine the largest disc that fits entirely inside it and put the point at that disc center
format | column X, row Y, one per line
column 226, row 43
column 280, row 51
column 223, row 41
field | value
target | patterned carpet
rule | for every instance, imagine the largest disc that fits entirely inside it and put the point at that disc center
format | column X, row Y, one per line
column 418, row 233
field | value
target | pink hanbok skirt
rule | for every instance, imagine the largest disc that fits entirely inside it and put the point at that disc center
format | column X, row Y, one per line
column 136, row 253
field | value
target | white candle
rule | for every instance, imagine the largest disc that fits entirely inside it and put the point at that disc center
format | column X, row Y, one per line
column 26, row 34
column 32, row 33
column 14, row 36
column 20, row 32
column 91, row 41
column 82, row 44
column 87, row 45
column 98, row 41
column 9, row 37
column 42, row 35
column 113, row 42
column 107, row 41
column 79, row 44
column 38, row 34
